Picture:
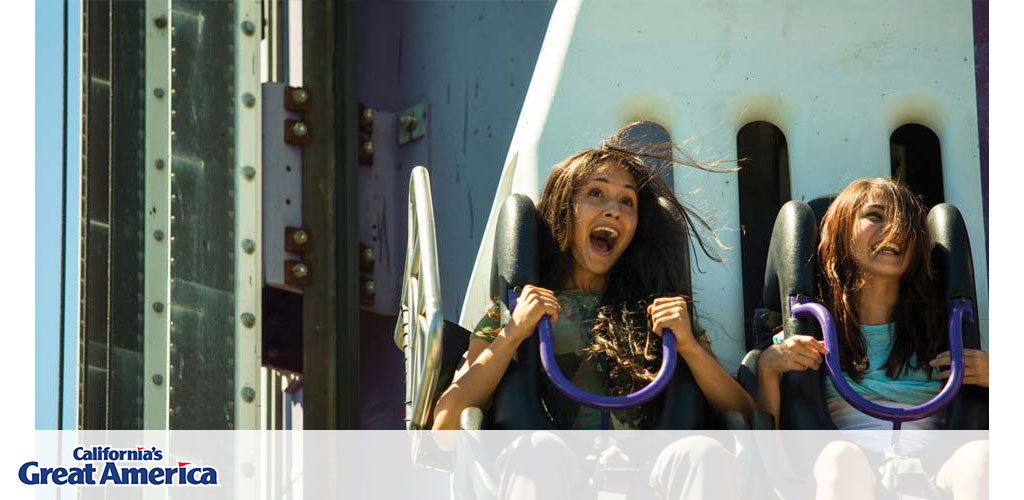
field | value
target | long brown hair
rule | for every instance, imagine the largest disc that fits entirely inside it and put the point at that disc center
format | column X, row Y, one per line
column 918, row 325
column 652, row 265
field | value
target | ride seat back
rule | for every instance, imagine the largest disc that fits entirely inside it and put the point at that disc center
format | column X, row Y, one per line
column 791, row 271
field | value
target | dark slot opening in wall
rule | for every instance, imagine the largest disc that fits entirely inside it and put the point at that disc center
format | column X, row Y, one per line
column 763, row 188
column 650, row 138
column 916, row 161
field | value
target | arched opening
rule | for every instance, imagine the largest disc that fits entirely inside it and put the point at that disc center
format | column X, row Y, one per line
column 917, row 162
column 763, row 188
column 649, row 137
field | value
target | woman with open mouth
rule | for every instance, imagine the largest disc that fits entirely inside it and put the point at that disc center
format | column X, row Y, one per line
column 612, row 278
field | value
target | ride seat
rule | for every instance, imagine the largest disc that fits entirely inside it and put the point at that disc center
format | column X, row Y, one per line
column 791, row 271
column 516, row 402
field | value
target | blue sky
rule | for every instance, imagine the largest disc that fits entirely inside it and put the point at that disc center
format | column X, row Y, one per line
column 49, row 88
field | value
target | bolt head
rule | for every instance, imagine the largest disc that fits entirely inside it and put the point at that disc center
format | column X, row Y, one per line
column 249, row 172
column 248, row 394
column 368, row 146
column 300, row 129
column 158, row 307
column 160, row 163
column 248, row 245
column 248, row 99
column 248, row 319
column 248, row 27
column 160, row 22
column 300, row 237
column 158, row 379
column 367, row 115
column 408, row 122
column 368, row 254
column 159, row 93
column 369, row 287
column 300, row 95
column 158, row 235
column 300, row 270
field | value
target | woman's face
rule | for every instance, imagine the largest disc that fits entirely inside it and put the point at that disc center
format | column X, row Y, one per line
column 872, row 258
column 605, row 214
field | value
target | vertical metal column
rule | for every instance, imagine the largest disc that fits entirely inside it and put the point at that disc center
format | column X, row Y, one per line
column 248, row 276
column 331, row 302
column 158, row 165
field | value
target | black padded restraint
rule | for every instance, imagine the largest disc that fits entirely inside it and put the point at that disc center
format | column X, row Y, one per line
column 790, row 272
column 517, row 398
column 954, row 268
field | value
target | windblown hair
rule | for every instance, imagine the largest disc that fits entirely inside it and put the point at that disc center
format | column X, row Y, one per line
column 918, row 324
column 654, row 264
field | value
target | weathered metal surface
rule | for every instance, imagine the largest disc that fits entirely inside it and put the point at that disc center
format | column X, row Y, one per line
column 201, row 377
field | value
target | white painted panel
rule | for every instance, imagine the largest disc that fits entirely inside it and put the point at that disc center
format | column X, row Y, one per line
column 836, row 77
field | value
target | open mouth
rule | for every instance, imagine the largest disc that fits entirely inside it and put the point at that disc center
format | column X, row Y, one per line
column 602, row 240
column 889, row 249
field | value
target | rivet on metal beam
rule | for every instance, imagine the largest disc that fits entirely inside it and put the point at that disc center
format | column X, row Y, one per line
column 300, row 95
column 300, row 237
column 248, row 99
column 248, row 319
column 408, row 122
column 158, row 307
column 158, row 92
column 300, row 270
column 248, row 27
column 367, row 147
column 299, row 129
column 160, row 163
column 160, row 22
column 369, row 287
column 158, row 379
column 158, row 235
column 249, row 172
column 248, row 394
column 248, row 245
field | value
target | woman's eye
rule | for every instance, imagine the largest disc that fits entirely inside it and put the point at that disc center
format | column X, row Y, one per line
column 874, row 216
column 595, row 192
column 627, row 201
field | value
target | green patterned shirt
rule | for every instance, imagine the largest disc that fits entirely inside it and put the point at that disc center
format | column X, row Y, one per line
column 572, row 334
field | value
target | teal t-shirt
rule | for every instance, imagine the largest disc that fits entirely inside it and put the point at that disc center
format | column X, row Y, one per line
column 913, row 387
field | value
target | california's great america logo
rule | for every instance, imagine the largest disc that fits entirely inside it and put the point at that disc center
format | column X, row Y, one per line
column 102, row 468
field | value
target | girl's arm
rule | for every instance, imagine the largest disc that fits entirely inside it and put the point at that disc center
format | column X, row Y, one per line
column 486, row 362
column 768, row 389
column 721, row 390
column 798, row 352
column 476, row 380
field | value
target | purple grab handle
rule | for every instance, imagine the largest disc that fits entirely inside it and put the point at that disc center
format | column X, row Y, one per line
column 962, row 309
column 604, row 403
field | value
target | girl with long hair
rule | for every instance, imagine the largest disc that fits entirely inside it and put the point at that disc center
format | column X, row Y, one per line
column 875, row 278
column 611, row 283
column 612, row 278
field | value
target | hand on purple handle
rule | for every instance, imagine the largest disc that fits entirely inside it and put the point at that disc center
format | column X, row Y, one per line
column 607, row 403
column 962, row 309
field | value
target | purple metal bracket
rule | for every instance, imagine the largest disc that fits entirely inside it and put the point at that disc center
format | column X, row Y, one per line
column 603, row 403
column 962, row 309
